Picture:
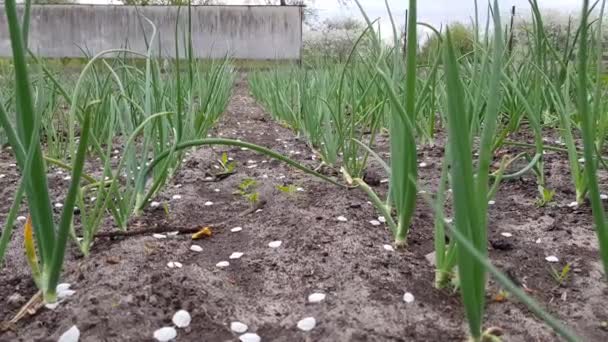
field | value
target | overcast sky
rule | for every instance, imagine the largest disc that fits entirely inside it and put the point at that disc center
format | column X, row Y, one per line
column 435, row 12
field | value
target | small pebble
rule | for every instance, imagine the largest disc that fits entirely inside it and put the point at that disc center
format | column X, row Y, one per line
column 159, row 236
column 341, row 219
column 307, row 324
column 388, row 248
column 375, row 222
column 58, row 205
column 507, row 235
column 177, row 197
column 154, row 204
column 172, row 234
column 21, row 218
column 573, row 204
column 238, row 327
column 491, row 202
column 208, row 204
column 604, row 197
column 236, row 229
column 382, row 219
column 275, row 244
column 196, row 248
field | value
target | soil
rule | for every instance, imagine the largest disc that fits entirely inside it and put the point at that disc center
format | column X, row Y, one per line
column 125, row 291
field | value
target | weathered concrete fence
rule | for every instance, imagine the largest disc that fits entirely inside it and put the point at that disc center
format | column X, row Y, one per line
column 242, row 32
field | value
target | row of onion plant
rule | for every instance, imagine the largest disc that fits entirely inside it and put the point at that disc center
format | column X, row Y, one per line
column 152, row 117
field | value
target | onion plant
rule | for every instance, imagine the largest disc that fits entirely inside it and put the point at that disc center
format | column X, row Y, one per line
column 471, row 186
column 589, row 115
column 330, row 105
column 402, row 128
column 50, row 239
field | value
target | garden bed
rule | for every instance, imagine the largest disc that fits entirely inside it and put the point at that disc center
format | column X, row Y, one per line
column 125, row 290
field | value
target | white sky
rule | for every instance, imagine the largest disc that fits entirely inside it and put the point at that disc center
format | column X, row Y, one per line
column 437, row 12
column 434, row 12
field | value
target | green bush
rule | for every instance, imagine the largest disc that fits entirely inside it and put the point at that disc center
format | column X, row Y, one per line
column 462, row 36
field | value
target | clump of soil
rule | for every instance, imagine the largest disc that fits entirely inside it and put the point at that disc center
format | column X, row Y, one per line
column 125, row 291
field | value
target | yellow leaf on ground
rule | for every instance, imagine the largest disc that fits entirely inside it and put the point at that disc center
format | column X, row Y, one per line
column 203, row 233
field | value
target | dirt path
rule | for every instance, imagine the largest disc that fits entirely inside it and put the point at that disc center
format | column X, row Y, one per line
column 125, row 291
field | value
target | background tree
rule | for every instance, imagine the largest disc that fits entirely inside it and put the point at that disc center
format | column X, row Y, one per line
column 333, row 38
column 463, row 38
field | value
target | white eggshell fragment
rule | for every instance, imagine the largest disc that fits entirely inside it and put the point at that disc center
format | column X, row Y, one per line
column 71, row 335
column 552, row 258
column 307, row 324
column 222, row 264
column 388, row 248
column 316, row 297
column 238, row 327
column 408, row 297
column 275, row 244
column 165, row 334
column 250, row 337
column 181, row 319
column 196, row 248
column 236, row 255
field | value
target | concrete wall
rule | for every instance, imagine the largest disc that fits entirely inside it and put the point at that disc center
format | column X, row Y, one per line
column 242, row 32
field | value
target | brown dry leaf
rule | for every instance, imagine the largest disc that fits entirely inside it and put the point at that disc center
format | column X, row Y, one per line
column 203, row 233
column 500, row 297
column 113, row 260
